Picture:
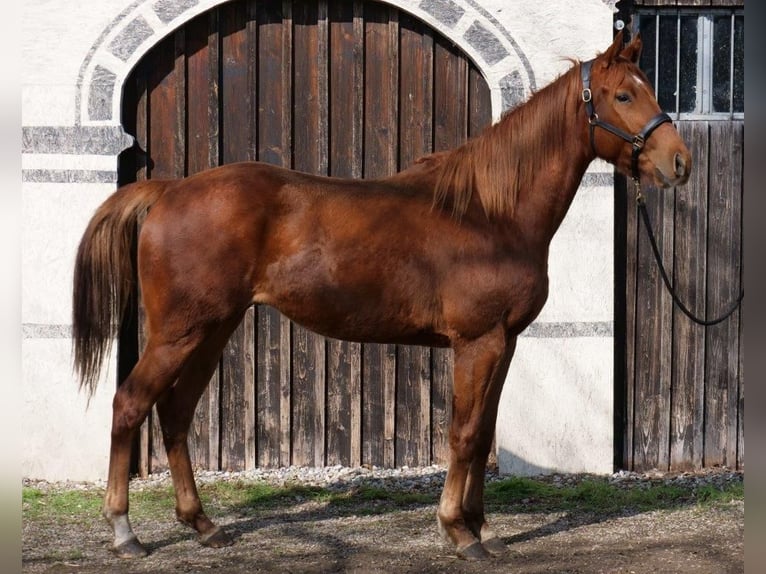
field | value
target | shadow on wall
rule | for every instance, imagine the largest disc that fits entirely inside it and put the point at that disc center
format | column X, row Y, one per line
column 511, row 464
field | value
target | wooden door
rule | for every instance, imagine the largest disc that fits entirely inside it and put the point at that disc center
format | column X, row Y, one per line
column 680, row 386
column 351, row 89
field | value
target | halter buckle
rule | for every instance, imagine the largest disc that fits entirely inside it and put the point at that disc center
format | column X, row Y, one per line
column 639, row 196
column 638, row 142
column 587, row 95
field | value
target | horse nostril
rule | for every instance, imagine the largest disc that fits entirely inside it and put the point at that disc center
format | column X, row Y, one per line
column 680, row 165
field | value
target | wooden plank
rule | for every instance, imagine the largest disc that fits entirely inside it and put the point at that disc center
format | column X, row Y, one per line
column 308, row 392
column 687, row 404
column 450, row 121
column 654, row 339
column 213, row 390
column 343, row 403
column 416, row 91
column 310, row 155
column 166, row 92
column 413, row 386
column 380, row 158
column 723, row 277
column 442, row 375
column 127, row 345
column 273, row 346
column 735, row 444
column 237, row 392
column 141, row 457
column 345, row 160
column 479, row 103
column 166, row 140
column 202, row 153
column 310, row 86
column 274, row 146
column 413, row 406
column 741, row 391
column 450, row 96
column 479, row 117
column 741, row 370
column 624, row 242
column 236, row 398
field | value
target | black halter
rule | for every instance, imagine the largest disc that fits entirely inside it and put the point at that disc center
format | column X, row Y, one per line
column 637, row 141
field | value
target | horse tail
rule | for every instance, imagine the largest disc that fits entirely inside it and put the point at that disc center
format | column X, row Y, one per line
column 104, row 276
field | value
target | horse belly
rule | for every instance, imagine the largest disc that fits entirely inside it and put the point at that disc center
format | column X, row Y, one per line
column 355, row 299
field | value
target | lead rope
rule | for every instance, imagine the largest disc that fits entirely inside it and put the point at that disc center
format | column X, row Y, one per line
column 641, row 202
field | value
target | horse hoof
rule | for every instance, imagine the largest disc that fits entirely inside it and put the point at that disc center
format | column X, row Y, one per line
column 217, row 538
column 474, row 551
column 130, row 549
column 494, row 546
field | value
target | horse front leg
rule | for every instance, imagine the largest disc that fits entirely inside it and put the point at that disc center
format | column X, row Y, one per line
column 473, row 496
column 480, row 368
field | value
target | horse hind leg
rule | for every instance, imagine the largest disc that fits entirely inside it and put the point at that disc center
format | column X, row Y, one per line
column 176, row 411
column 154, row 373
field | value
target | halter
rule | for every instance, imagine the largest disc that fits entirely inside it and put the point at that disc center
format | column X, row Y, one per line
column 637, row 141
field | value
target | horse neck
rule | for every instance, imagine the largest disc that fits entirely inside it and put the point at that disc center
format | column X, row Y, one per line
column 551, row 133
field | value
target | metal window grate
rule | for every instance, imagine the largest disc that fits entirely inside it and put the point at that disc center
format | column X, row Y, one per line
column 695, row 60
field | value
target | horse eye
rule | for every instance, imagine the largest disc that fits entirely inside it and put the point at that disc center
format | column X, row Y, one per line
column 623, row 98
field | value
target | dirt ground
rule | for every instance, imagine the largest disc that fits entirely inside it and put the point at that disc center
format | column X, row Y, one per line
column 311, row 537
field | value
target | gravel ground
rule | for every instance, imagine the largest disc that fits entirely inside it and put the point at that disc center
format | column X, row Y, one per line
column 308, row 536
column 427, row 479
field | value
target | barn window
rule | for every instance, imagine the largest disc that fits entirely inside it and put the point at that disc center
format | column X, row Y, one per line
column 696, row 60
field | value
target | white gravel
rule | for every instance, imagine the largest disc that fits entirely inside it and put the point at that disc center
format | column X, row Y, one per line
column 429, row 479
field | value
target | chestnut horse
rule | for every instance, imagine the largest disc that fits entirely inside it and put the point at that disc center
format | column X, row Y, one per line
column 449, row 252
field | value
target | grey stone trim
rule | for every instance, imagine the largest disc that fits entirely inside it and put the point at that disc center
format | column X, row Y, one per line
column 130, row 38
column 445, row 11
column 486, row 43
column 598, row 179
column 168, row 10
column 563, row 330
column 68, row 176
column 91, row 53
column 484, row 39
column 42, row 331
column 77, row 140
column 512, row 90
column 101, row 94
column 522, row 56
column 569, row 330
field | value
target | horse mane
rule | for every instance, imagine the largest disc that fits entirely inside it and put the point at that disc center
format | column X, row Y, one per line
column 505, row 157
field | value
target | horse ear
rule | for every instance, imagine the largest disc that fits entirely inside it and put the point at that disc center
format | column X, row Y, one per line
column 632, row 51
column 614, row 50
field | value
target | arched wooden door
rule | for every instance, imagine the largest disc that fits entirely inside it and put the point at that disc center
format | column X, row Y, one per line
column 353, row 89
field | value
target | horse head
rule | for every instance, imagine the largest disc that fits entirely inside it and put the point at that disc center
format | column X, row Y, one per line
column 627, row 127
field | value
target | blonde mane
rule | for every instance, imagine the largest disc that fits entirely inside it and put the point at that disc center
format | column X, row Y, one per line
column 506, row 156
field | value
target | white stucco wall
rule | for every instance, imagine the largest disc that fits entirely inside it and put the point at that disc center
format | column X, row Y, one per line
column 556, row 411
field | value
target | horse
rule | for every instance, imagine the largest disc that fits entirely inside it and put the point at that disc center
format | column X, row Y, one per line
column 449, row 252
